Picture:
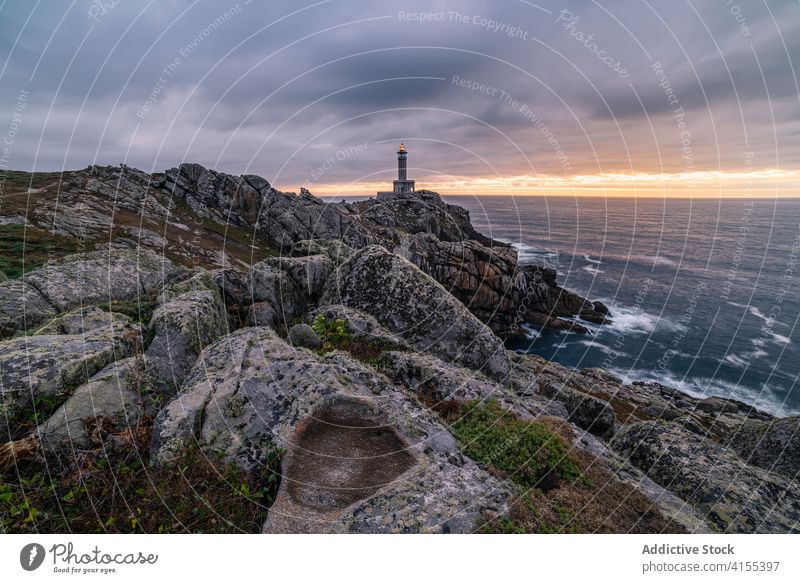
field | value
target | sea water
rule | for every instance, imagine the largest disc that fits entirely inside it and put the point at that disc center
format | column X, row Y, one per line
column 704, row 293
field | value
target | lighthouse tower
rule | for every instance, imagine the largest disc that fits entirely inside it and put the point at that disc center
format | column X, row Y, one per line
column 402, row 186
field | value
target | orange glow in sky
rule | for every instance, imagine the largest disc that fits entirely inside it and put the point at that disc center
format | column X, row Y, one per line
column 713, row 184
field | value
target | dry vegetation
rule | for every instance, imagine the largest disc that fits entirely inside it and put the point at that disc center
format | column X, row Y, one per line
column 113, row 488
column 25, row 248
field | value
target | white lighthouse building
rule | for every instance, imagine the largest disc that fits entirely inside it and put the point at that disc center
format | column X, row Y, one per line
column 402, row 186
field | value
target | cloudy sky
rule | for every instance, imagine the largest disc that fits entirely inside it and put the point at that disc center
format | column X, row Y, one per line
column 609, row 96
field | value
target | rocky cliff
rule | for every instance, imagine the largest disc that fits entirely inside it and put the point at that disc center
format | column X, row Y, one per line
column 198, row 217
column 193, row 351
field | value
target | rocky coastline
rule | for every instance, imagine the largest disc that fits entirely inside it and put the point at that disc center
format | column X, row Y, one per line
column 344, row 364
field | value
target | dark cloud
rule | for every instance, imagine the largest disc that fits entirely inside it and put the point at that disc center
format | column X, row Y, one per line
column 276, row 87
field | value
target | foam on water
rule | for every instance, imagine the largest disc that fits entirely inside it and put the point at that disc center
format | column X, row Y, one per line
column 528, row 254
column 628, row 320
column 768, row 399
column 604, row 348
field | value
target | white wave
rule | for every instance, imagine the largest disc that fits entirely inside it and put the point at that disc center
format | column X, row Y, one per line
column 658, row 260
column 602, row 347
column 592, row 270
column 754, row 311
column 677, row 353
column 764, row 318
column 745, row 358
column 774, row 337
column 590, row 260
column 664, row 377
column 769, row 399
column 737, row 361
column 636, row 321
column 529, row 254
column 531, row 333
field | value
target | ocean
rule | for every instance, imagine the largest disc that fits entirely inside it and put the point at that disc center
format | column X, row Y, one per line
column 705, row 294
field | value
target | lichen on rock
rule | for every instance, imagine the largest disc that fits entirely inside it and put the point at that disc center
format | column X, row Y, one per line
column 48, row 367
column 414, row 306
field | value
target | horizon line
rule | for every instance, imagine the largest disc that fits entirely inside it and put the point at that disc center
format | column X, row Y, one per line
column 764, row 183
column 597, row 196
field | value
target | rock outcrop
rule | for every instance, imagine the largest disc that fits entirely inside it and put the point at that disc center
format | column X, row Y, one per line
column 100, row 276
column 22, row 308
column 439, row 238
column 281, row 219
column 199, row 217
column 190, row 315
column 732, row 496
column 734, row 465
column 251, row 391
column 585, row 411
column 79, row 321
column 773, row 445
column 113, row 400
column 78, row 280
column 35, row 368
column 358, row 466
column 415, row 307
column 245, row 391
column 360, row 325
column 304, row 335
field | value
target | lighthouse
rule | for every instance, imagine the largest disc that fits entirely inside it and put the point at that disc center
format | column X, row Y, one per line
column 402, row 186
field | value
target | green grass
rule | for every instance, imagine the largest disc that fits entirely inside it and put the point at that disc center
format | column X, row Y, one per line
column 526, row 452
column 43, row 408
column 560, row 490
column 559, row 520
column 22, row 250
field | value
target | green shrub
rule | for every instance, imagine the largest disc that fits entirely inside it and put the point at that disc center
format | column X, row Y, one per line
column 336, row 335
column 332, row 332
